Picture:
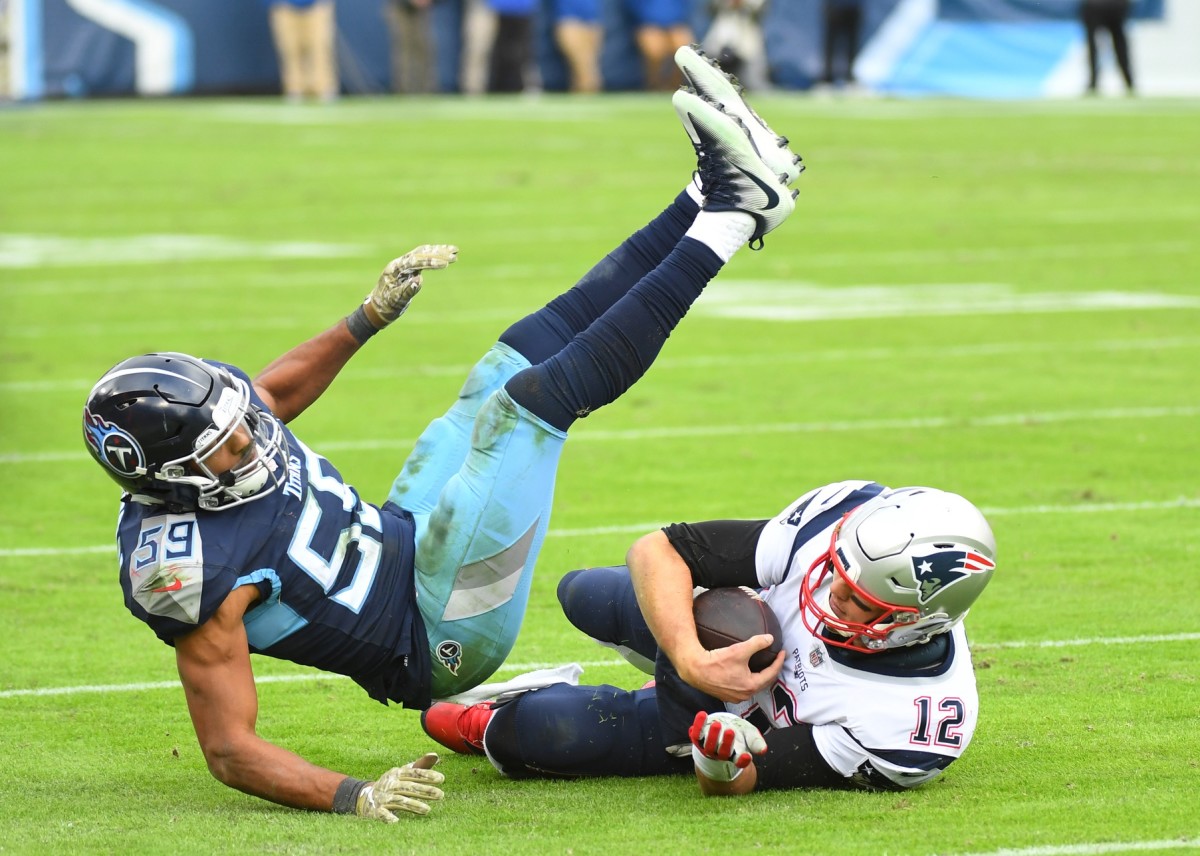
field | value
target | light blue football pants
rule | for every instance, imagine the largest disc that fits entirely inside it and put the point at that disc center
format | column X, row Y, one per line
column 480, row 484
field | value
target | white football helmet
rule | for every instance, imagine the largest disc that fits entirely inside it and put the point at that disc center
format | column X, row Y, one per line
column 920, row 555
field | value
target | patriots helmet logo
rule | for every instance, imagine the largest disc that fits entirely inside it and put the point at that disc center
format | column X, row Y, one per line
column 937, row 571
column 449, row 654
column 113, row 446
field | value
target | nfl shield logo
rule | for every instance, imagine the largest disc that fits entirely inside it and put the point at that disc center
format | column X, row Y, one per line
column 816, row 657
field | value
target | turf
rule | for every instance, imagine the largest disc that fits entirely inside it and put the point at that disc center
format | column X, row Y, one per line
column 996, row 299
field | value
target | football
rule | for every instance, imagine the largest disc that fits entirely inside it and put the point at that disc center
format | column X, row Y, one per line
column 728, row 615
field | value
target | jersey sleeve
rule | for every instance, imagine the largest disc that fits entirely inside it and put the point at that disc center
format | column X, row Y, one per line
column 793, row 760
column 719, row 552
column 805, row 519
column 167, row 581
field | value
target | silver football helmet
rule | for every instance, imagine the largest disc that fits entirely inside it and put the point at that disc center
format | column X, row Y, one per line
column 920, row 555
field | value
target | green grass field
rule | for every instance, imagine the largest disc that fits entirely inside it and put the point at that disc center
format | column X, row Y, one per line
column 997, row 299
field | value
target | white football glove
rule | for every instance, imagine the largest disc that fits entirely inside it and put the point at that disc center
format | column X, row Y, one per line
column 401, row 279
column 723, row 745
column 409, row 788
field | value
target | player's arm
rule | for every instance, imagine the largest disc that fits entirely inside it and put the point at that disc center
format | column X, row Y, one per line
column 298, row 378
column 663, row 582
column 214, row 667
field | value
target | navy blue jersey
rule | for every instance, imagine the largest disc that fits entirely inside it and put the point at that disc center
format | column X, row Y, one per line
column 335, row 575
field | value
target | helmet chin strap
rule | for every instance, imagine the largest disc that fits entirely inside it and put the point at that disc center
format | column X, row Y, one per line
column 902, row 635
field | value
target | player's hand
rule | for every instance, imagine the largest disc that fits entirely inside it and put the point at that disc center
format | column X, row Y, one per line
column 409, row 788
column 401, row 279
column 723, row 745
column 724, row 673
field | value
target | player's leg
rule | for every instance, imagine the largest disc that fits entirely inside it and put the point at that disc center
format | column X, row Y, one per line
column 601, row 603
column 745, row 199
column 476, row 549
column 568, row 731
column 565, row 730
column 442, row 447
column 545, row 332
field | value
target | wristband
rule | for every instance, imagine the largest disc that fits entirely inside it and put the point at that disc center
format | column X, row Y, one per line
column 345, row 798
column 359, row 325
column 711, row 768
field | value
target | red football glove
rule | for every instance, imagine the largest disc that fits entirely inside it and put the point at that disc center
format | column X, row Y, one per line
column 724, row 744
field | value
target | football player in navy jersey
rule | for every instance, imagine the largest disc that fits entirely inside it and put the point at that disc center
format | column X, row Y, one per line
column 873, row 688
column 235, row 537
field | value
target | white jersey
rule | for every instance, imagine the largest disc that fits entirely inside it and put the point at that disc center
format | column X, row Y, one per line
column 869, row 716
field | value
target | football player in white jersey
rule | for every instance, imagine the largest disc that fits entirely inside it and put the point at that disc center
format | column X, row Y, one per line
column 873, row 688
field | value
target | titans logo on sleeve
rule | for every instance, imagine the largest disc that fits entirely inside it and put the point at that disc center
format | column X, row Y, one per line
column 935, row 572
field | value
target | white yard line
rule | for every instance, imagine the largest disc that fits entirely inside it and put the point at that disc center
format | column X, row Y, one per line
column 42, row 251
column 529, row 667
column 828, row 355
column 1095, row 849
column 634, row 528
column 999, row 420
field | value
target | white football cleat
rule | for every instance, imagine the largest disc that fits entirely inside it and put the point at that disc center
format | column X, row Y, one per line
column 733, row 177
column 705, row 76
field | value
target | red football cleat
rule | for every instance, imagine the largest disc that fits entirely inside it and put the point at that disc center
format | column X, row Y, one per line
column 458, row 727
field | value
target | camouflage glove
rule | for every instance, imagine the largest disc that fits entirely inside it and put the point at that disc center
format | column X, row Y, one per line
column 401, row 279
column 409, row 788
column 723, row 745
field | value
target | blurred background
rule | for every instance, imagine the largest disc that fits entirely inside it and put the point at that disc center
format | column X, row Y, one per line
column 322, row 50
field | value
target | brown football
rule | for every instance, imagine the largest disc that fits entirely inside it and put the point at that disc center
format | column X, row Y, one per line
column 728, row 615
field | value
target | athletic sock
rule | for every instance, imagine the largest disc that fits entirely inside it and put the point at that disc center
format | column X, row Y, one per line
column 724, row 232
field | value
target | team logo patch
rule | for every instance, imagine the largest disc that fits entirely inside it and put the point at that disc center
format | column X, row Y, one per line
column 117, row 449
column 449, row 654
column 935, row 572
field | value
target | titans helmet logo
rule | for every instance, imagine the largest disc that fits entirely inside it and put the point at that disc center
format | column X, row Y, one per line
column 449, row 654
column 935, row 572
column 117, row 449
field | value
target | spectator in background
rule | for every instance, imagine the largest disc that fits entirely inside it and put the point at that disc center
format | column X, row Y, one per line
column 735, row 40
column 511, row 67
column 843, row 19
column 1108, row 15
column 661, row 27
column 305, row 33
column 580, row 35
column 412, row 46
column 479, row 23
